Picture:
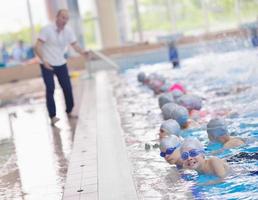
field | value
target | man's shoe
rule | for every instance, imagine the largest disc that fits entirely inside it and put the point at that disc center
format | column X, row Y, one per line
column 72, row 116
column 54, row 120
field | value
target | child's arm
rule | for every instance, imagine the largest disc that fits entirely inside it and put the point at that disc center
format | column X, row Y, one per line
column 219, row 167
column 216, row 152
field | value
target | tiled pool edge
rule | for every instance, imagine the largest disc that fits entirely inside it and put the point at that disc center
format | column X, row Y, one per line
column 115, row 178
column 99, row 167
column 82, row 179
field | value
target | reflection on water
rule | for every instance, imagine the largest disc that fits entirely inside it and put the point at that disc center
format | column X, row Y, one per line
column 226, row 83
column 33, row 155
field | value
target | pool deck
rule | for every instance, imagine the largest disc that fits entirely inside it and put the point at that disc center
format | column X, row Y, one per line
column 99, row 167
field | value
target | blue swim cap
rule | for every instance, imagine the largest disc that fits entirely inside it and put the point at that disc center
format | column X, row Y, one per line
column 171, row 127
column 176, row 112
column 177, row 94
column 169, row 142
column 165, row 98
column 181, row 115
column 165, row 87
column 191, row 102
column 217, row 127
column 141, row 77
column 191, row 143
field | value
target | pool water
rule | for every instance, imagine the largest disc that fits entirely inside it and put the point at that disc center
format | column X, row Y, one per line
column 228, row 84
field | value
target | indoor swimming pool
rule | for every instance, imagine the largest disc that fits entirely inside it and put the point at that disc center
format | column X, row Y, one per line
column 227, row 83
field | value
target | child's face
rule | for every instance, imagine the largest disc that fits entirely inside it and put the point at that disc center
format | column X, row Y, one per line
column 186, row 125
column 173, row 157
column 162, row 134
column 192, row 158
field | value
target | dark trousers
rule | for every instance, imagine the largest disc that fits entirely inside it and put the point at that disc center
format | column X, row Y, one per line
column 64, row 80
column 175, row 63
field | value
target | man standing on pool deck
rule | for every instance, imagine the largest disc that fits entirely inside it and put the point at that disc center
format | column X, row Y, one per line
column 50, row 48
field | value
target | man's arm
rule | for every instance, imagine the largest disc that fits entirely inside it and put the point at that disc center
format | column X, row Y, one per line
column 38, row 52
column 79, row 50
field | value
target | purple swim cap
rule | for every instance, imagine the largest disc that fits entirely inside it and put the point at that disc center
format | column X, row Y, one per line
column 191, row 102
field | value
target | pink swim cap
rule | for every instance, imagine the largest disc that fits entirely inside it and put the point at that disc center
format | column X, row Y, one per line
column 177, row 86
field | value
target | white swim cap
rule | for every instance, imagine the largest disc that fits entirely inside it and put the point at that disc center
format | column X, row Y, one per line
column 171, row 127
column 170, row 142
column 191, row 143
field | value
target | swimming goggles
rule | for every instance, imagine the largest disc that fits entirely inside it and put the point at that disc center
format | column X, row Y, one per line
column 192, row 153
column 169, row 151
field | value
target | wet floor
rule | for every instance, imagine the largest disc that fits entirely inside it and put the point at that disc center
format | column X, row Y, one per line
column 34, row 156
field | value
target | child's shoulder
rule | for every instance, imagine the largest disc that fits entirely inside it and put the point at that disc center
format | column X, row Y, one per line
column 234, row 142
column 218, row 164
column 215, row 161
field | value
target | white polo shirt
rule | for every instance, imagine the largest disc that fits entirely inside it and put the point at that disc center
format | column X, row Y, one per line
column 55, row 44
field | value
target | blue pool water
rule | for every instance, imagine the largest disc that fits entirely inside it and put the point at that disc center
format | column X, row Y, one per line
column 227, row 81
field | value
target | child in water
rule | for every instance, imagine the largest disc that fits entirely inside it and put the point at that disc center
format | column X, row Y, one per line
column 218, row 132
column 192, row 155
column 169, row 150
column 158, row 84
column 168, row 128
